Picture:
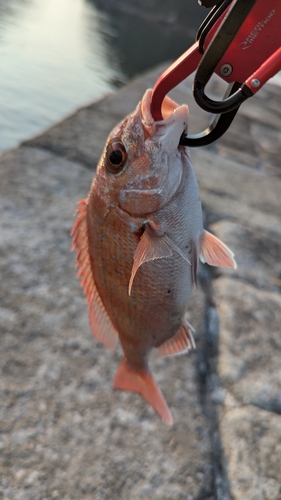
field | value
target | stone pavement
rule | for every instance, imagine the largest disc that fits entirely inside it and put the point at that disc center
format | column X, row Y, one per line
column 64, row 434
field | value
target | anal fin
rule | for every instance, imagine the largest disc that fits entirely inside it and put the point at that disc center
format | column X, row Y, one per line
column 215, row 252
column 180, row 343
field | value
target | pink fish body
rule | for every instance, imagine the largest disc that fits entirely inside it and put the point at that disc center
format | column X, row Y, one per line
column 139, row 236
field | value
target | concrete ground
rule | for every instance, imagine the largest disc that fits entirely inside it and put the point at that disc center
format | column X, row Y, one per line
column 64, row 434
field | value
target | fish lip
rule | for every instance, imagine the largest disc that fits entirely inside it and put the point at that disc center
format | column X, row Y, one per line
column 174, row 122
column 172, row 109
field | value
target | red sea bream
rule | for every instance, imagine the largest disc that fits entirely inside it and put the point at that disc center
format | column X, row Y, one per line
column 139, row 236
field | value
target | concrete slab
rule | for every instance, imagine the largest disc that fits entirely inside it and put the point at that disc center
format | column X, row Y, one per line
column 235, row 182
column 64, row 433
column 249, row 343
column 257, row 253
column 252, row 445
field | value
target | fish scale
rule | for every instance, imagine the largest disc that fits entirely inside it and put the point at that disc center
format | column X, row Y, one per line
column 149, row 308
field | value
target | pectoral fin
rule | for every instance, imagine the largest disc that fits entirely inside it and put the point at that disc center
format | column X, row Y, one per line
column 100, row 323
column 153, row 245
column 180, row 343
column 215, row 252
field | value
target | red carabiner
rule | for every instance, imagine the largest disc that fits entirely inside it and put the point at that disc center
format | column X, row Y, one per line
column 240, row 42
column 175, row 74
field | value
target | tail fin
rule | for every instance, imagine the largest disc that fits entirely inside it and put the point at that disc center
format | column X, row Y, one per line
column 144, row 384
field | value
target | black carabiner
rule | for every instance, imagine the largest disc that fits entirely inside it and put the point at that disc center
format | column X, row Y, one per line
column 236, row 93
column 214, row 53
column 217, row 128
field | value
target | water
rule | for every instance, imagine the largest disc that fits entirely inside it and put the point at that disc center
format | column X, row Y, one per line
column 52, row 59
column 57, row 55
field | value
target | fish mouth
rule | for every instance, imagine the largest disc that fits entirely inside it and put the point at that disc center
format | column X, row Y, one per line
column 162, row 169
column 174, row 123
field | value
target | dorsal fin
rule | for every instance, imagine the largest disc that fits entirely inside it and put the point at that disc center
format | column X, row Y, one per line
column 100, row 323
column 215, row 252
column 180, row 343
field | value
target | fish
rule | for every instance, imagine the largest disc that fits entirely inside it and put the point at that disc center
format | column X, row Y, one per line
column 138, row 237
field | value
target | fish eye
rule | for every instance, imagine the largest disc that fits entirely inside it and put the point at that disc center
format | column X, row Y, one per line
column 116, row 157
